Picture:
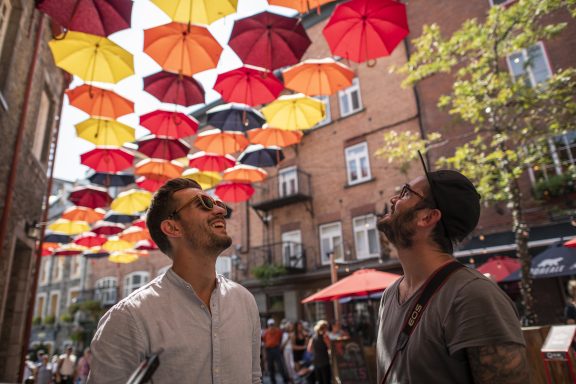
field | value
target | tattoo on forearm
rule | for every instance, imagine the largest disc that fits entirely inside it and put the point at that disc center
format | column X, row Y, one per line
column 499, row 363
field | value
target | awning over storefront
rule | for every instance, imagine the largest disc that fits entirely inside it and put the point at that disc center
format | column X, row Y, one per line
column 555, row 261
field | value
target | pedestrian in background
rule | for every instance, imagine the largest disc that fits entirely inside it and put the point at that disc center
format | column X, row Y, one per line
column 66, row 366
column 272, row 338
column 319, row 346
column 286, row 347
column 83, row 368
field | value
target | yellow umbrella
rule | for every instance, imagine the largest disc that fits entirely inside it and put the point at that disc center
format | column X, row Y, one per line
column 206, row 179
column 131, row 201
column 123, row 257
column 197, row 11
column 69, row 227
column 294, row 112
column 114, row 244
column 105, row 132
column 92, row 58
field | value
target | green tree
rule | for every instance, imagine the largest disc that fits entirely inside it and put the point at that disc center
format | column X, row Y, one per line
column 510, row 120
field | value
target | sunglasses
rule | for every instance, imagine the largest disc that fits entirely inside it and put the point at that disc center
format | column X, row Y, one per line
column 406, row 190
column 206, row 202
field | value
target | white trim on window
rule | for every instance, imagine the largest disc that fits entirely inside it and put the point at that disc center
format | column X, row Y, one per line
column 530, row 64
column 58, row 269
column 72, row 294
column 76, row 266
column 366, row 236
column 106, row 290
column 39, row 310
column 54, row 305
column 357, row 163
column 135, row 280
column 328, row 115
column 42, row 116
column 350, row 99
column 287, row 181
column 45, row 270
column 224, row 266
column 331, row 241
column 292, row 249
column 5, row 10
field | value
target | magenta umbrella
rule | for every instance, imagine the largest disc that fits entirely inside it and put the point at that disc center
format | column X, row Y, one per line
column 174, row 88
column 269, row 40
column 248, row 85
column 170, row 124
column 161, row 147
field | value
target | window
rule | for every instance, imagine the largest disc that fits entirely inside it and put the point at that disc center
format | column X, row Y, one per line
column 5, row 9
column 76, row 266
column 530, row 65
column 45, row 269
column 292, row 249
column 562, row 157
column 224, row 266
column 288, row 181
column 40, row 303
column 58, row 268
column 357, row 163
column 350, row 99
column 134, row 281
column 328, row 116
column 73, row 295
column 331, row 241
column 106, row 290
column 42, row 136
column 366, row 237
column 54, row 304
column 500, row 2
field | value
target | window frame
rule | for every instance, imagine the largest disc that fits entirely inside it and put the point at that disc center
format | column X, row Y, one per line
column 4, row 21
column 40, row 312
column 556, row 168
column 57, row 310
column 132, row 287
column 287, row 175
column 225, row 261
column 528, row 69
column 99, row 287
column 357, row 159
column 71, row 292
column 328, row 114
column 294, row 246
column 362, row 228
column 347, row 95
column 324, row 259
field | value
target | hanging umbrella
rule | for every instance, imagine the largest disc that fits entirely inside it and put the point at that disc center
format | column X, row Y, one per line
column 92, row 58
column 571, row 243
column 151, row 183
column 248, row 85
column 69, row 250
column 145, row 245
column 98, row 102
column 245, row 174
column 69, row 227
column 158, row 167
column 197, row 11
column 174, row 89
column 259, row 156
column 122, row 218
column 302, row 6
column 131, row 201
column 359, row 283
column 104, row 159
column 192, row 48
column 269, row 40
column 134, row 234
column 95, row 253
column 48, row 248
column 294, row 112
column 105, row 132
column 211, row 162
column 232, row 192
column 221, row 142
column 89, row 196
column 161, row 147
column 86, row 214
column 234, row 117
column 114, row 243
column 169, row 124
column 97, row 17
column 55, row 237
column 107, row 229
column 123, row 257
column 497, row 268
column 207, row 180
column 111, row 179
column 274, row 137
column 90, row 239
column 318, row 77
column 139, row 223
column 362, row 30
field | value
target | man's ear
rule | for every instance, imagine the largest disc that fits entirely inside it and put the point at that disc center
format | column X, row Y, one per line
column 429, row 217
column 170, row 228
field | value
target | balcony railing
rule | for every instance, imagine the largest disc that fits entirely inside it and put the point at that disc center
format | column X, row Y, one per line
column 285, row 188
column 288, row 254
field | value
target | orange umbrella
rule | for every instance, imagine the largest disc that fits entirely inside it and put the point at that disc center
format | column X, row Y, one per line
column 245, row 174
column 270, row 137
column 221, row 142
column 156, row 167
column 211, row 161
column 302, row 6
column 234, row 192
column 83, row 214
column 98, row 102
column 318, row 77
column 134, row 234
column 182, row 48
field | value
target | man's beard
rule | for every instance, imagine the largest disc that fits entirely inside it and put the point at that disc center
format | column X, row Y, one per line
column 208, row 241
column 398, row 229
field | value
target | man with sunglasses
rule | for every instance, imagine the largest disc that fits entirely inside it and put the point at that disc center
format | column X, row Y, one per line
column 205, row 328
column 468, row 330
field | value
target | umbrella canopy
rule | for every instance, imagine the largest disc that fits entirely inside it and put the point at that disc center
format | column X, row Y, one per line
column 197, row 11
column 116, row 217
column 105, row 132
column 158, row 167
column 90, row 196
column 55, row 237
column 497, row 268
column 134, row 234
column 248, row 85
column 69, row 250
column 269, row 40
column 95, row 253
column 232, row 192
column 92, row 58
column 97, row 17
column 123, row 257
column 98, row 102
column 571, row 243
column 86, row 214
column 207, row 180
column 69, row 227
column 361, row 30
column 145, row 245
column 169, row 124
column 131, row 201
column 294, row 112
column 211, row 161
column 48, row 248
column 274, row 137
column 245, row 174
column 360, row 283
column 302, row 6
column 182, row 48
column 114, row 243
column 107, row 229
column 139, row 223
column 161, row 147
column 151, row 183
column 111, row 179
column 110, row 160
column 90, row 239
column 555, row 261
column 234, row 117
column 259, row 156
column 174, row 89
column 221, row 142
column 318, row 77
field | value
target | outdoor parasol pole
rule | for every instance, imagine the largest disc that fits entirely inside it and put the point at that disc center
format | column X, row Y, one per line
column 334, row 279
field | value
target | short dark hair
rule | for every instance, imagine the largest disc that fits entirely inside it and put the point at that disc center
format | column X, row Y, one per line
column 161, row 208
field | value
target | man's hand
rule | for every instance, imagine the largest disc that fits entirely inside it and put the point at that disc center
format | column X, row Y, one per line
column 499, row 363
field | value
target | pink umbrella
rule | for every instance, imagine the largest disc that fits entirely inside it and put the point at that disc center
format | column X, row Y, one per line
column 248, row 85
column 170, row 124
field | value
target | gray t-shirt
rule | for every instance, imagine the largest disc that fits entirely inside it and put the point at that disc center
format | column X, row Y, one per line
column 468, row 311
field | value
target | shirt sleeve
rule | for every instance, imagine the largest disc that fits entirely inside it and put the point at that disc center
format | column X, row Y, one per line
column 256, row 344
column 117, row 348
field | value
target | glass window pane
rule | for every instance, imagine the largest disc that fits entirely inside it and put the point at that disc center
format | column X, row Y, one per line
column 538, row 64
column 373, row 243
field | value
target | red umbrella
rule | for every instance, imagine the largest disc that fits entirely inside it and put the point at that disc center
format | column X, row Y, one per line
column 160, row 147
column 145, row 245
column 90, row 239
column 499, row 267
column 90, row 196
column 96, row 17
column 139, row 223
column 361, row 30
column 269, row 40
column 98, row 102
column 175, row 89
column 232, row 192
column 104, row 159
column 211, row 162
column 151, row 183
column 571, row 243
column 169, row 124
column 360, row 283
column 107, row 228
column 248, row 85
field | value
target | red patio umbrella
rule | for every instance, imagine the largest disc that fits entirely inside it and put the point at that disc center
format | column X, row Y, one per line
column 233, row 192
column 211, row 161
column 98, row 102
column 169, row 124
column 362, row 30
column 105, row 159
column 269, row 40
column 360, row 283
column 174, row 88
column 248, row 85
column 499, row 267
column 107, row 228
column 161, row 147
column 90, row 196
column 90, row 239
column 139, row 223
column 151, row 183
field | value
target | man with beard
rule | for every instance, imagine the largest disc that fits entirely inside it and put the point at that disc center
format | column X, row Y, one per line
column 206, row 327
column 468, row 330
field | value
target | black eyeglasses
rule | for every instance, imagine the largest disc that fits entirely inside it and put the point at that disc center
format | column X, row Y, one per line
column 406, row 189
column 207, row 203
